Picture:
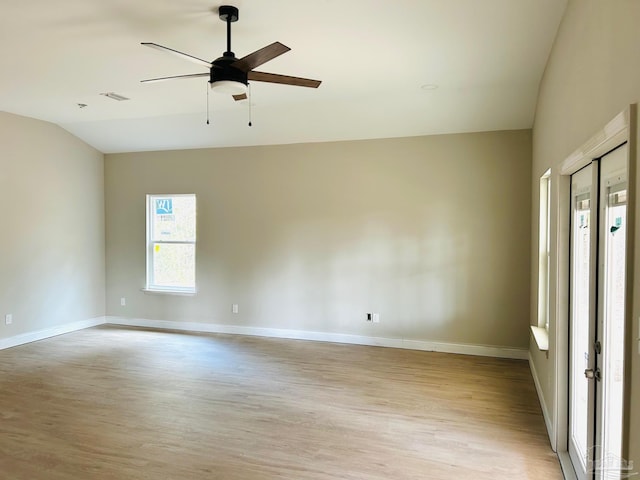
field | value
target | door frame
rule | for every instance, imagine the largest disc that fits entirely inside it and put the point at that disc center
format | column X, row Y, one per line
column 619, row 130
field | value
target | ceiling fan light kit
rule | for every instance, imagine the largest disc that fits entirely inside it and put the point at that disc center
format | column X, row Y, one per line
column 230, row 75
column 229, row 86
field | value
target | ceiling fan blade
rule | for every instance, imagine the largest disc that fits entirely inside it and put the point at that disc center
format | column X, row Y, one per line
column 261, row 56
column 242, row 96
column 284, row 79
column 186, row 56
column 162, row 79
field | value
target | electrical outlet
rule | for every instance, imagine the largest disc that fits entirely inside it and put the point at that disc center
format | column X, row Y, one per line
column 376, row 318
column 8, row 319
column 234, row 308
column 123, row 302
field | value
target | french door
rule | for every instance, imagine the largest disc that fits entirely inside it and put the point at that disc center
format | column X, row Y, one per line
column 597, row 315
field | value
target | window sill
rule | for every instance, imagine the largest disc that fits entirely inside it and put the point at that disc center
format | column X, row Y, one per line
column 182, row 293
column 541, row 336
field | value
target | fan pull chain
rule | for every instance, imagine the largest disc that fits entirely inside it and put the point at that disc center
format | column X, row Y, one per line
column 249, row 98
column 207, row 84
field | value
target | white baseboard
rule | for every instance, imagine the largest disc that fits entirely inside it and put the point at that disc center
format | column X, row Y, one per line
column 460, row 348
column 29, row 337
column 545, row 410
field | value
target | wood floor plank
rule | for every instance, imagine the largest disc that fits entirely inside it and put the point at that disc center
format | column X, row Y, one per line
column 117, row 403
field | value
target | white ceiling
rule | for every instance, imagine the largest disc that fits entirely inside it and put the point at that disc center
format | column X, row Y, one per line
column 486, row 56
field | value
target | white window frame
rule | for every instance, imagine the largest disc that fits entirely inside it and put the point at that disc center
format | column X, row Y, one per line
column 541, row 330
column 150, row 285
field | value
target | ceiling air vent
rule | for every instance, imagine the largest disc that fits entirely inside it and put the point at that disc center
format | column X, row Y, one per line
column 114, row 96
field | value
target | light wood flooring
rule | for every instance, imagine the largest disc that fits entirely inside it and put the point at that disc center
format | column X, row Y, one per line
column 129, row 404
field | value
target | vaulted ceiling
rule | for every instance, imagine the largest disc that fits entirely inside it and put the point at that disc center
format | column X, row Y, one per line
column 388, row 69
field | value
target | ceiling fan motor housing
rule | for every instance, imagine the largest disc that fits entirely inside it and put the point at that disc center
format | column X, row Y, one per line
column 221, row 70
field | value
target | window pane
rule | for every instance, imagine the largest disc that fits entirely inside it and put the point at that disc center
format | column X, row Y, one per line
column 174, row 265
column 173, row 218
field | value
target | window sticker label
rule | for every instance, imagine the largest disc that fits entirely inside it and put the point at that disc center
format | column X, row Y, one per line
column 164, row 206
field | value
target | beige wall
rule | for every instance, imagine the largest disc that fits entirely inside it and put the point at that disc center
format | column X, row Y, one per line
column 593, row 74
column 52, row 242
column 431, row 232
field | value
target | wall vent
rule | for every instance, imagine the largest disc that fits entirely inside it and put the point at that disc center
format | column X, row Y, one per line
column 114, row 96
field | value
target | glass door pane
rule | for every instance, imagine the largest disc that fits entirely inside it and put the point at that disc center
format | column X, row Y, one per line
column 611, row 322
column 581, row 325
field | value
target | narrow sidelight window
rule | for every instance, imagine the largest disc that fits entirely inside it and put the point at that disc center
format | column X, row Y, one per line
column 544, row 248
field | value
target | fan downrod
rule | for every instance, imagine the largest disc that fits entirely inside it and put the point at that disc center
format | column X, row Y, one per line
column 228, row 14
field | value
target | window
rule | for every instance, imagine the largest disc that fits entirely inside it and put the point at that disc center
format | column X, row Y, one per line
column 544, row 241
column 171, row 243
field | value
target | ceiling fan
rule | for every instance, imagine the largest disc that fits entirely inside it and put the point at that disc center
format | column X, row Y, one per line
column 228, row 74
